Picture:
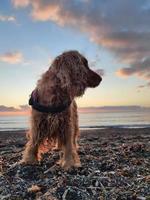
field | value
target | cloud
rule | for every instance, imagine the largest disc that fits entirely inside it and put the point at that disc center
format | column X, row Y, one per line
column 101, row 72
column 147, row 85
column 4, row 18
column 94, row 64
column 22, row 3
column 122, row 27
column 11, row 57
column 139, row 68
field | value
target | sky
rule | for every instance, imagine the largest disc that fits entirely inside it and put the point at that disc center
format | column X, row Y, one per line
column 113, row 35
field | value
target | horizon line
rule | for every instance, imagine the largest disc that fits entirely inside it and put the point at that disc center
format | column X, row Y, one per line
column 18, row 111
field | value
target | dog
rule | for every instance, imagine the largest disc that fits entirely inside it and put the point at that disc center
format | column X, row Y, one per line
column 54, row 117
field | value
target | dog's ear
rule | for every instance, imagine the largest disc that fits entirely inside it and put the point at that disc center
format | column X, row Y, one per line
column 62, row 72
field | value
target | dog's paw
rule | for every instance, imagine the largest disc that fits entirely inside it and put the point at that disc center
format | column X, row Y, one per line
column 69, row 164
column 66, row 166
column 77, row 164
column 59, row 162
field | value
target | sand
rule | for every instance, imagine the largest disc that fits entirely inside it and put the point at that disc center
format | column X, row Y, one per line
column 115, row 165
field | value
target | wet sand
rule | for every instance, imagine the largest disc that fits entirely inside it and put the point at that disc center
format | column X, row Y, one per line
column 115, row 165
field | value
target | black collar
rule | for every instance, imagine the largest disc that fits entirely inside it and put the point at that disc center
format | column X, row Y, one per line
column 33, row 101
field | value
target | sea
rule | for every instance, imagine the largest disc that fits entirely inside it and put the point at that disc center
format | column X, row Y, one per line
column 88, row 120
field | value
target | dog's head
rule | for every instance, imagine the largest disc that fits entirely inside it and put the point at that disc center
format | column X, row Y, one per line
column 74, row 73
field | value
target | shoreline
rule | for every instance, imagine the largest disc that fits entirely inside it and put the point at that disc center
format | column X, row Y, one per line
column 108, row 132
column 94, row 130
column 115, row 165
column 81, row 128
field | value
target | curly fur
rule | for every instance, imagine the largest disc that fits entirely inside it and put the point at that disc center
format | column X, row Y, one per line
column 66, row 79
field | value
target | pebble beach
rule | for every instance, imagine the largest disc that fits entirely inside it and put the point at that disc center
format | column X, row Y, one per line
column 115, row 166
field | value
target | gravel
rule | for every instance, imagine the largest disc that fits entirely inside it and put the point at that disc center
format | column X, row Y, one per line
column 115, row 166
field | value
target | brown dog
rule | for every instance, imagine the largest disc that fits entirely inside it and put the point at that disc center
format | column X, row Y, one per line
column 54, row 116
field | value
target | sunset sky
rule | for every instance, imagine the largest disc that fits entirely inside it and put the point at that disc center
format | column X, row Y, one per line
column 114, row 36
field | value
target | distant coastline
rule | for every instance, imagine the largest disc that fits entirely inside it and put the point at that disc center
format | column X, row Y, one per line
column 25, row 109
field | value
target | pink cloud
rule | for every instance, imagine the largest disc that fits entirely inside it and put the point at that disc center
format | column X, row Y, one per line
column 20, row 3
column 139, row 68
column 11, row 57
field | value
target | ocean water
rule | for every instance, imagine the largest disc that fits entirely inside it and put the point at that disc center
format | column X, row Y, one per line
column 88, row 120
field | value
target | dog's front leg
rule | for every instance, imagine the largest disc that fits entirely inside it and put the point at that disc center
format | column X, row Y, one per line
column 30, row 153
column 70, row 155
column 31, row 149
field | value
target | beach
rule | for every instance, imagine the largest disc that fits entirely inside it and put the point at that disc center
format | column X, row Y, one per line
column 115, row 165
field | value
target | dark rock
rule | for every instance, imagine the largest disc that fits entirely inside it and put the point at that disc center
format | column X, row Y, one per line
column 73, row 193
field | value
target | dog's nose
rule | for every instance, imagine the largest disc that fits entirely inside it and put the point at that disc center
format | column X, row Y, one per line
column 100, row 79
column 94, row 79
column 97, row 80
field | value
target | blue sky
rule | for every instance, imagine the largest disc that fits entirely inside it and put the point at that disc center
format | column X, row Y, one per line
column 34, row 32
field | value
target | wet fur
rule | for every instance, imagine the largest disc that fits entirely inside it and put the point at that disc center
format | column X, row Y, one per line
column 66, row 79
